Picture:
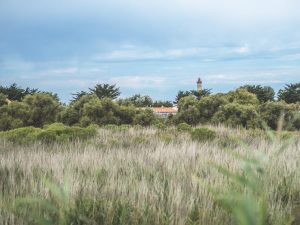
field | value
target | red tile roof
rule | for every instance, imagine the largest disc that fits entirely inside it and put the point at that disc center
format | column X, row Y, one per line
column 164, row 109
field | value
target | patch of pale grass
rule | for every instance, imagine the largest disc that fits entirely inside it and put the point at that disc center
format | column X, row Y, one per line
column 139, row 167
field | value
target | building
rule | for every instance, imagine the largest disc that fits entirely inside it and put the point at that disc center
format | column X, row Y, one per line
column 164, row 112
column 199, row 85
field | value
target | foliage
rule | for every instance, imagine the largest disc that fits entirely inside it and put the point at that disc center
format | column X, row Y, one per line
column 43, row 109
column 137, row 101
column 203, row 134
column 184, row 127
column 263, row 94
column 249, row 206
column 3, row 98
column 296, row 121
column 162, row 103
column 56, row 132
column 144, row 117
column 243, row 97
column 234, row 114
column 16, row 93
column 197, row 94
column 21, row 135
column 209, row 105
column 290, row 94
column 270, row 113
column 78, row 95
column 14, row 115
column 189, row 115
column 105, row 91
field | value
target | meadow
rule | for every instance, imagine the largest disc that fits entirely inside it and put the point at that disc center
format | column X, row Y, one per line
column 134, row 175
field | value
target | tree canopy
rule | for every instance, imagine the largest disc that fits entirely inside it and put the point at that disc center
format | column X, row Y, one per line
column 16, row 93
column 290, row 93
column 105, row 91
column 263, row 94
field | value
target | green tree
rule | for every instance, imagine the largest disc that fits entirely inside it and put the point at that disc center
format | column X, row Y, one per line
column 16, row 93
column 126, row 114
column 290, row 94
column 78, row 95
column 43, row 109
column 263, row 94
column 270, row 113
column 137, row 101
column 3, row 98
column 186, row 102
column 14, row 115
column 197, row 94
column 243, row 97
column 162, row 103
column 189, row 115
column 234, row 114
column 105, row 91
column 188, row 111
column 209, row 105
column 144, row 118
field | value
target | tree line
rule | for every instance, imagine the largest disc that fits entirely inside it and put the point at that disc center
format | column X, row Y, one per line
column 249, row 106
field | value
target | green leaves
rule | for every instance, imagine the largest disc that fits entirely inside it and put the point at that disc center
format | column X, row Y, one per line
column 106, row 91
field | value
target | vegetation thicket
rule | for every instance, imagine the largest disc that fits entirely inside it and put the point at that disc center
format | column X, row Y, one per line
column 250, row 106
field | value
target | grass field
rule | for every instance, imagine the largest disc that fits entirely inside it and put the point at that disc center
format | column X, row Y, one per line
column 143, row 176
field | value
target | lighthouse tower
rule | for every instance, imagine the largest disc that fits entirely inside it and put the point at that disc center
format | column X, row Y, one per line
column 199, row 85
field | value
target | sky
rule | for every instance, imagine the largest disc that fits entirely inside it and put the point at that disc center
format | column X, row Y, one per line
column 149, row 47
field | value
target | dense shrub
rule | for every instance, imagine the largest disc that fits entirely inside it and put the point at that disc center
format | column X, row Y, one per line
column 191, row 115
column 209, row 105
column 21, row 135
column 43, row 108
column 183, row 127
column 89, row 109
column 187, row 111
column 14, row 115
column 56, row 132
column 243, row 97
column 203, row 134
column 290, row 94
column 2, row 99
column 144, row 117
column 271, row 112
column 238, row 115
column 111, row 127
column 296, row 122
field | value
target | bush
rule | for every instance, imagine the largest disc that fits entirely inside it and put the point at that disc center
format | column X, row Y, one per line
column 22, row 135
column 13, row 116
column 271, row 112
column 234, row 114
column 203, row 134
column 56, row 132
column 144, row 118
column 160, row 126
column 296, row 123
column 184, row 127
column 209, row 105
column 112, row 127
column 43, row 108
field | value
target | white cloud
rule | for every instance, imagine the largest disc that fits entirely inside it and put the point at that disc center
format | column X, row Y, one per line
column 146, row 53
column 242, row 50
column 138, row 81
column 68, row 70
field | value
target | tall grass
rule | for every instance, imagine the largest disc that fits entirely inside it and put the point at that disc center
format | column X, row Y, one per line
column 145, row 176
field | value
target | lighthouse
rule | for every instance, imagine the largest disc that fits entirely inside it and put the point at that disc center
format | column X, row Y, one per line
column 199, row 85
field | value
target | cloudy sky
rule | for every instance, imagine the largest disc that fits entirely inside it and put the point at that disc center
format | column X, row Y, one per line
column 151, row 47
